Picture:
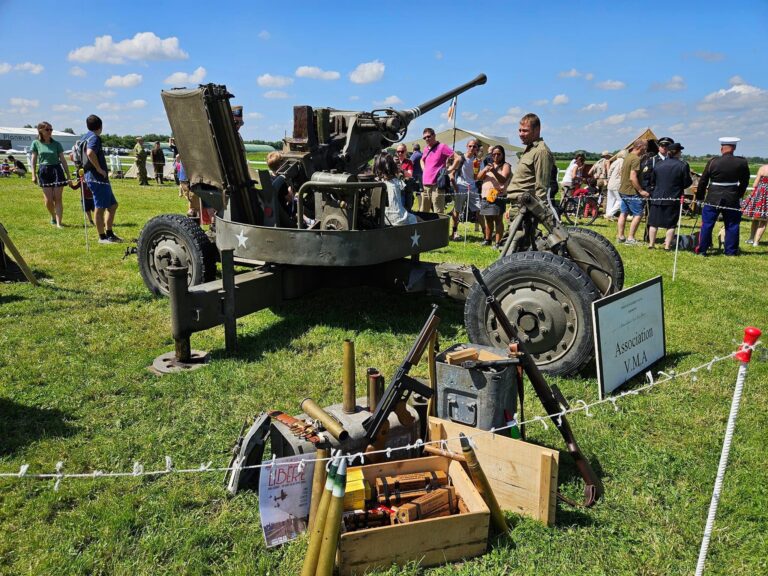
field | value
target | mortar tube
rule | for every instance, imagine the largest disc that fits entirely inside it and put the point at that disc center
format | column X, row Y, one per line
column 375, row 387
column 327, row 557
column 481, row 483
column 316, row 534
column 318, row 484
column 332, row 425
column 349, row 401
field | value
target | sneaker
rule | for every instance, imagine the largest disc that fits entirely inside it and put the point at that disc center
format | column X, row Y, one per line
column 630, row 242
column 114, row 239
column 748, row 241
column 53, row 221
column 620, row 240
column 496, row 246
column 105, row 241
column 456, row 237
column 485, row 243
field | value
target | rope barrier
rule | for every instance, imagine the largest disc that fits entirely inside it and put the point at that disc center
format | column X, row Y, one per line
column 580, row 405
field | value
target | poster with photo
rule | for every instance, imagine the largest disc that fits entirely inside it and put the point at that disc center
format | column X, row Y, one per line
column 284, row 494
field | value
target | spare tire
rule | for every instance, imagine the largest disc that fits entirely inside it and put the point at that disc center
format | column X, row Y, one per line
column 171, row 237
column 548, row 299
column 602, row 251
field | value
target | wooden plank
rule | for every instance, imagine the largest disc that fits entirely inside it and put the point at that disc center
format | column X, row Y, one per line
column 514, row 469
column 18, row 258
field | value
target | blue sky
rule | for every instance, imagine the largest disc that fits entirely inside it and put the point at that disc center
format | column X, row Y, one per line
column 597, row 73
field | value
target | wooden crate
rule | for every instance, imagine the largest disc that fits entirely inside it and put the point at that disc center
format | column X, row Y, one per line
column 430, row 542
column 523, row 475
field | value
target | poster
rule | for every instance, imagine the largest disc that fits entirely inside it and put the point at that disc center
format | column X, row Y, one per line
column 284, row 495
column 629, row 333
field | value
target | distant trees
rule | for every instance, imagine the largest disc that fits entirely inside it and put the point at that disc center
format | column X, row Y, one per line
column 68, row 130
column 129, row 141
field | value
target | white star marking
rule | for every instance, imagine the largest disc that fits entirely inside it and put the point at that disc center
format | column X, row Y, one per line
column 241, row 238
column 415, row 239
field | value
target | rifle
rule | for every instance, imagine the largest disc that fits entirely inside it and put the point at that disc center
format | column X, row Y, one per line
column 402, row 385
column 550, row 399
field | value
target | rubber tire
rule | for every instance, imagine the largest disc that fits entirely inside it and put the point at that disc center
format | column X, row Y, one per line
column 181, row 237
column 572, row 205
column 547, row 272
column 604, row 253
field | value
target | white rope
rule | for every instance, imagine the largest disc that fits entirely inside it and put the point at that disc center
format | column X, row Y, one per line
column 580, row 405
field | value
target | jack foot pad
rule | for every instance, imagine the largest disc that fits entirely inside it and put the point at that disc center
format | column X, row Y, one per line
column 167, row 363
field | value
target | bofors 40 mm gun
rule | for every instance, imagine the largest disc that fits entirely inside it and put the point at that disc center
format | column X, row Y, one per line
column 347, row 243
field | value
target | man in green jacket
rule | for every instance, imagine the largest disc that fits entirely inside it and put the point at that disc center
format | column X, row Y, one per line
column 141, row 161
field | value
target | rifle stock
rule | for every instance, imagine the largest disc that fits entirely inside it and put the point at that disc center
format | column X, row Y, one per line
column 593, row 488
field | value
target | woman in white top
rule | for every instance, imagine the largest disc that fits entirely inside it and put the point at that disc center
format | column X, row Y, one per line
column 613, row 201
column 386, row 170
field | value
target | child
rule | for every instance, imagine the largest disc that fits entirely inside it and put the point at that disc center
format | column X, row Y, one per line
column 86, row 199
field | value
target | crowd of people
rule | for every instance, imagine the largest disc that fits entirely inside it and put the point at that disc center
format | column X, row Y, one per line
column 647, row 178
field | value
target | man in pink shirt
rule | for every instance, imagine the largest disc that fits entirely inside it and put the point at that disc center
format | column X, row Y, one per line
column 434, row 157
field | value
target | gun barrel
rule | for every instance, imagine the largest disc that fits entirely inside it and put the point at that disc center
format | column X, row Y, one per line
column 412, row 113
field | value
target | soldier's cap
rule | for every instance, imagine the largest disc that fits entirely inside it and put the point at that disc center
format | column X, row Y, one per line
column 237, row 111
column 675, row 146
column 729, row 141
column 139, row 139
column 665, row 141
column 606, row 154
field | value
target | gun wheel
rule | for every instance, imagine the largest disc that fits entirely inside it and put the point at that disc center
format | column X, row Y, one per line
column 548, row 299
column 602, row 252
column 174, row 237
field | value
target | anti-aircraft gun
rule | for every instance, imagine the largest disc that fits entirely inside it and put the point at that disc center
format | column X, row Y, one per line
column 347, row 241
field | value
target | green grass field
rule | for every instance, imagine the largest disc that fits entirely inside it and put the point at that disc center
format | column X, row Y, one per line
column 74, row 388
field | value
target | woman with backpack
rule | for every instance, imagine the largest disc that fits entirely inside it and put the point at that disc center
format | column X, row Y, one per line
column 50, row 171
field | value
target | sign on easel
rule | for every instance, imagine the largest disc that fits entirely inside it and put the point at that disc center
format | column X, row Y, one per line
column 629, row 333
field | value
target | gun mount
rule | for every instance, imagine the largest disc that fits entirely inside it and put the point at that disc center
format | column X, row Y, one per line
column 346, row 243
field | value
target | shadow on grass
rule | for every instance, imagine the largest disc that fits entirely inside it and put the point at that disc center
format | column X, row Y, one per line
column 669, row 361
column 355, row 309
column 21, row 425
column 8, row 298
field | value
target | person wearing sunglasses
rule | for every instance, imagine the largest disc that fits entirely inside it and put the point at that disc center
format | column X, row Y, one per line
column 463, row 177
column 50, row 171
column 435, row 156
column 495, row 177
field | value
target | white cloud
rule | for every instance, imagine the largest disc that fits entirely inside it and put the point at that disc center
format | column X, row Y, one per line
column 611, row 85
column 509, row 119
column 5, row 67
column 91, row 96
column 254, row 115
column 264, row 35
column 179, row 78
column 65, row 108
column 675, row 83
column 594, row 107
column 316, row 73
column 735, row 80
column 23, row 105
column 143, row 46
column 275, row 94
column 388, row 101
column 127, row 81
column 77, row 71
column 116, row 106
column 29, row 67
column 572, row 73
column 515, row 110
column 615, row 119
column 638, row 113
column 270, row 81
column 709, row 56
column 589, row 76
column 560, row 99
column 737, row 97
column 471, row 116
column 367, row 72
column 354, row 98
column 679, row 127
column 438, row 55
column 541, row 102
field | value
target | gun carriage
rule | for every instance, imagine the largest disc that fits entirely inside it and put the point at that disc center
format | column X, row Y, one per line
column 546, row 295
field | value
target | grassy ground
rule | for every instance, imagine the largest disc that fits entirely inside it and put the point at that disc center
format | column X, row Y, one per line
column 73, row 387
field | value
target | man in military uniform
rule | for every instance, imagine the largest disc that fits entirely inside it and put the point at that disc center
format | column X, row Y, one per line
column 141, row 161
column 669, row 180
column 724, row 182
column 534, row 169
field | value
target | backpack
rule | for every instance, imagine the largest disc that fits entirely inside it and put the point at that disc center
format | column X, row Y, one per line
column 79, row 154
